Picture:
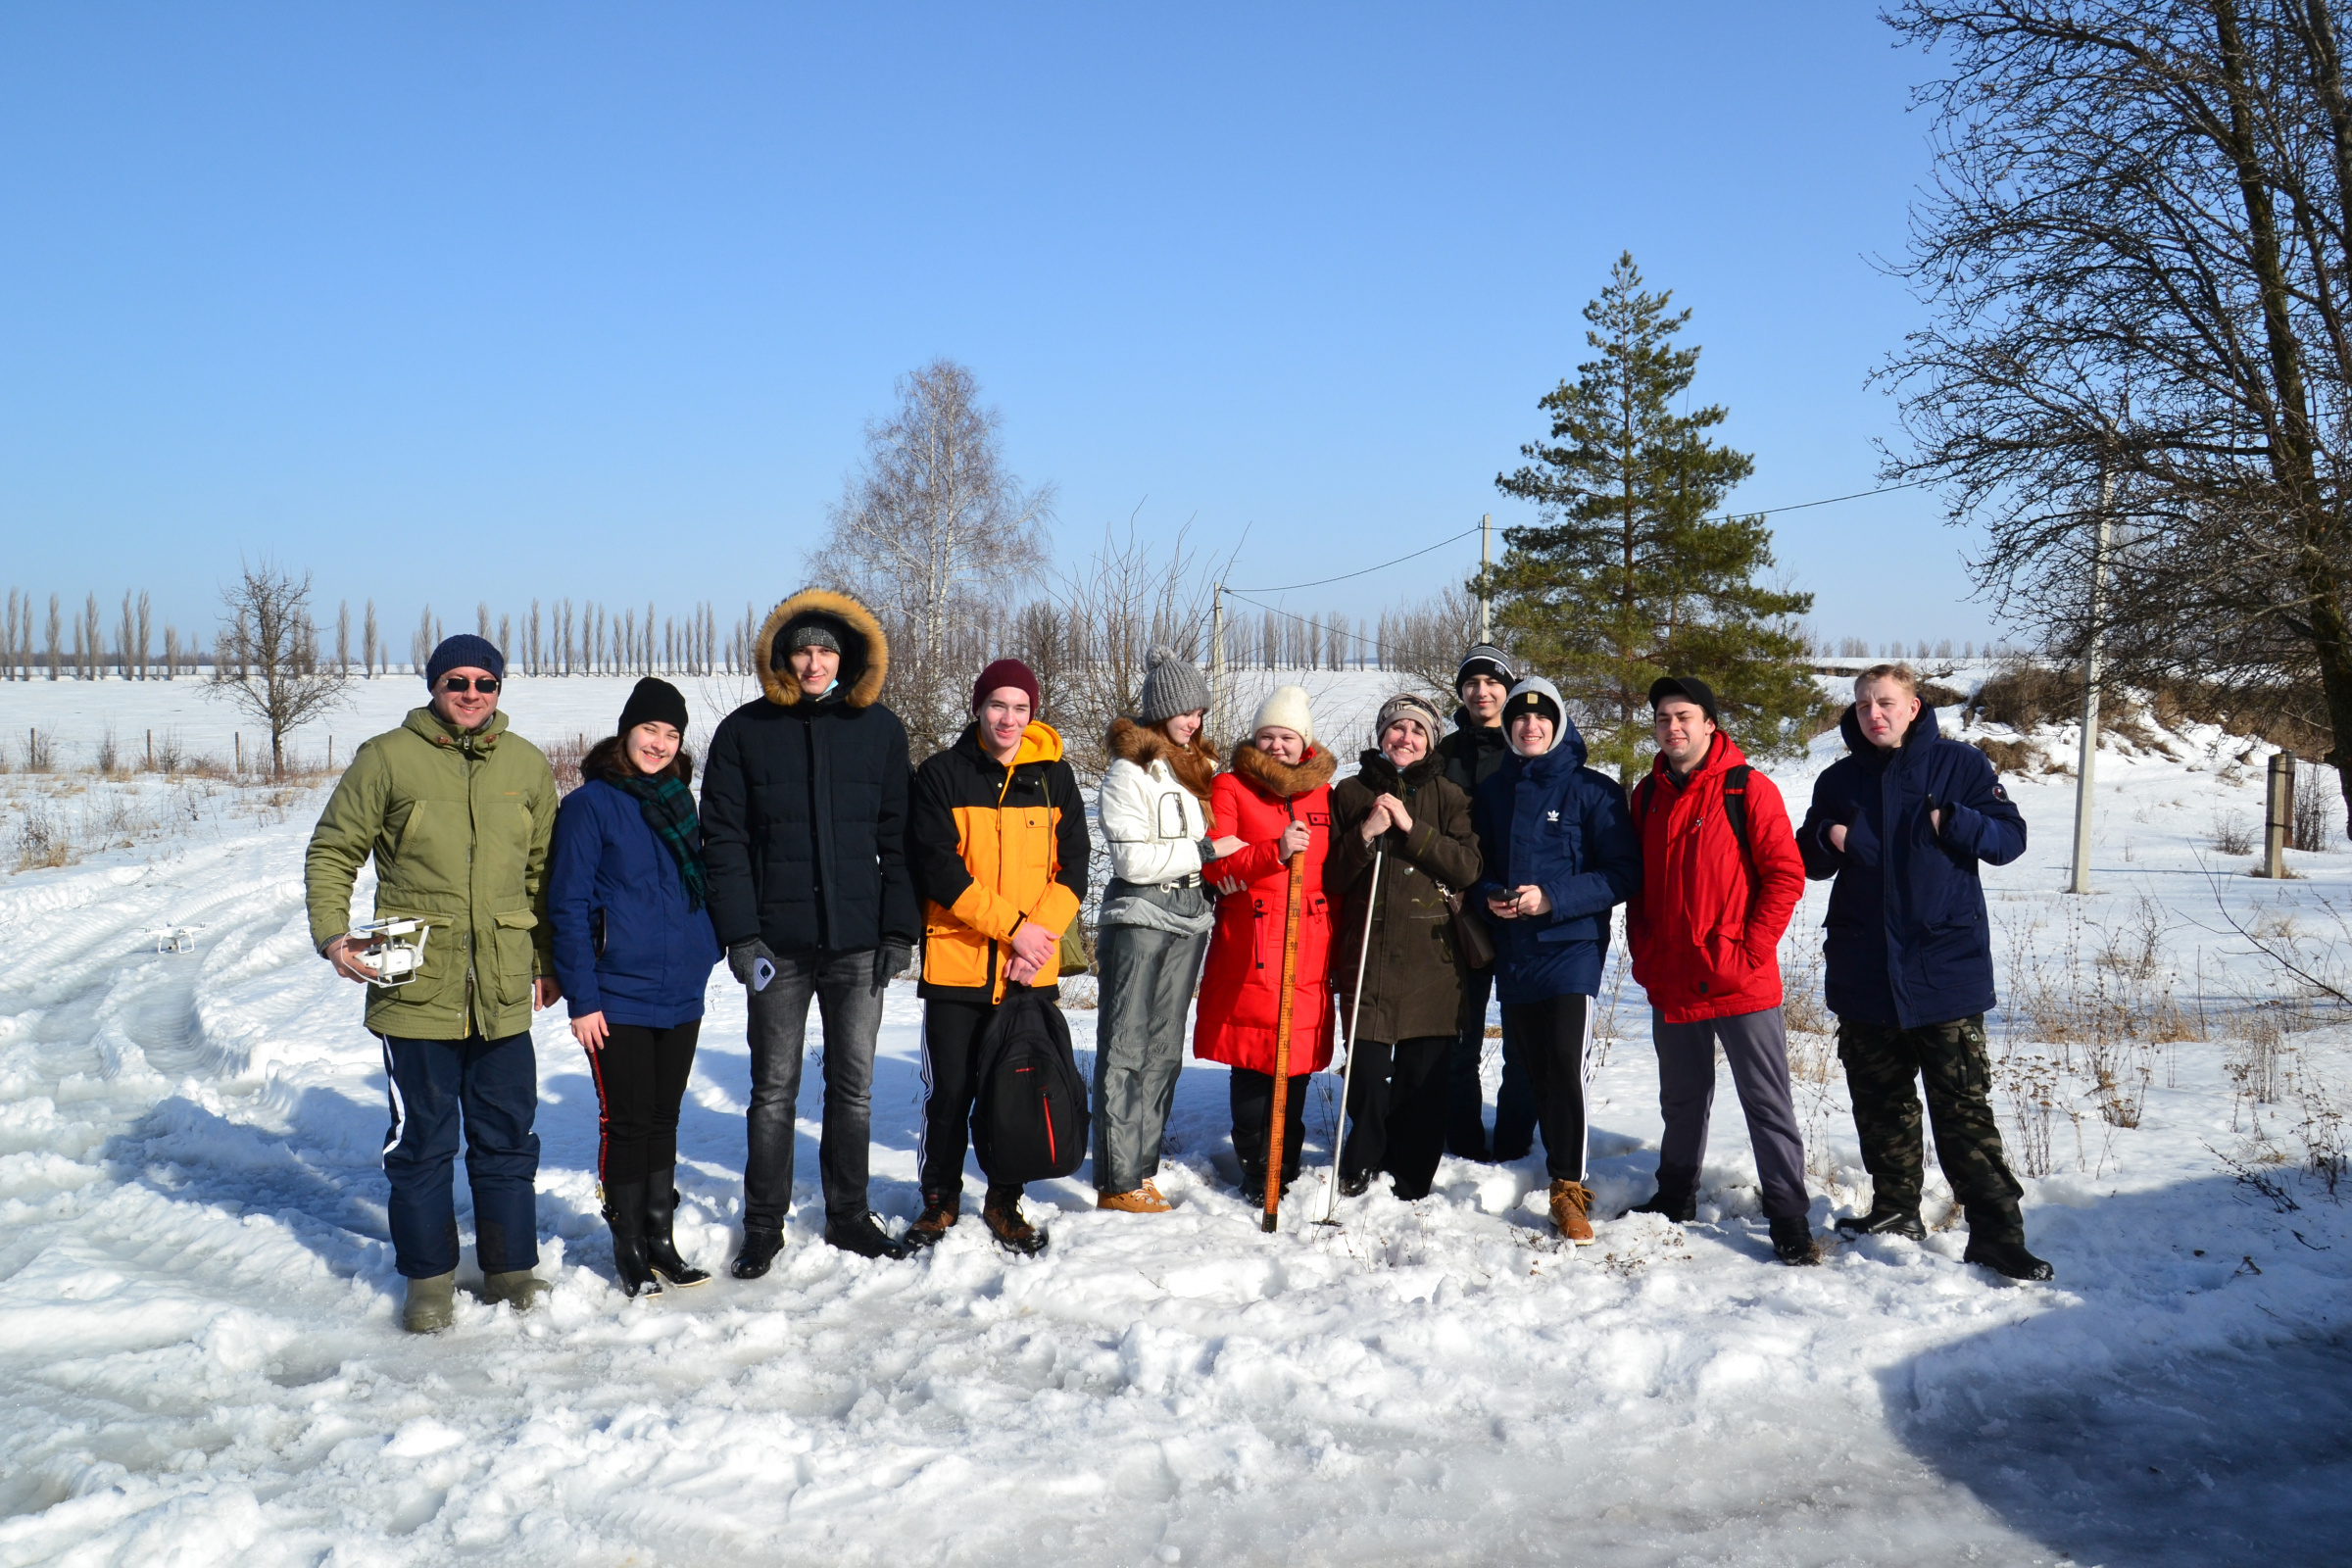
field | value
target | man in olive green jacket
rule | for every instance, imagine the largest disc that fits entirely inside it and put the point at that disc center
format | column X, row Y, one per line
column 458, row 812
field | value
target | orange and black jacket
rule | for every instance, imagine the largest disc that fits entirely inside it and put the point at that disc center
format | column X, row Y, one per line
column 991, row 847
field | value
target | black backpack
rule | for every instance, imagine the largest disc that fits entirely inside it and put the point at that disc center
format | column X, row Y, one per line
column 1029, row 1121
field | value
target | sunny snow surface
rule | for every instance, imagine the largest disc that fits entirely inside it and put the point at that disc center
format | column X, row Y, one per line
column 200, row 1358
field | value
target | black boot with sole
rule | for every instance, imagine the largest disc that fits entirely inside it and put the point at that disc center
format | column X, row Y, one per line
column 625, row 1213
column 661, row 1214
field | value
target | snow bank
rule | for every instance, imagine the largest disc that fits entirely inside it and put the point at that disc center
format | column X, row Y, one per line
column 199, row 1360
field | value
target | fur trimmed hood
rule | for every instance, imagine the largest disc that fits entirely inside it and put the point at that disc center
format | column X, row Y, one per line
column 864, row 651
column 1195, row 765
column 1282, row 780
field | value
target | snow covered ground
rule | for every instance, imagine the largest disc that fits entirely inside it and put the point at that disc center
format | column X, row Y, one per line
column 199, row 1360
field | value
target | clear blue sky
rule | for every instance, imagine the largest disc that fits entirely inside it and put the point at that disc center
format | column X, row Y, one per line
column 486, row 302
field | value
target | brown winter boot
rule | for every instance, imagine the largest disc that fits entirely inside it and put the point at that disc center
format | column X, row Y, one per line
column 1571, row 1203
column 1013, row 1232
column 1144, row 1200
column 940, row 1210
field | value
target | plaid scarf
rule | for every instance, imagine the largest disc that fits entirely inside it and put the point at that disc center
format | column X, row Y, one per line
column 668, row 807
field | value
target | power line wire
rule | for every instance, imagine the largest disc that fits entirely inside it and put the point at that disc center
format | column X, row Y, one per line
column 1367, row 572
column 1716, row 516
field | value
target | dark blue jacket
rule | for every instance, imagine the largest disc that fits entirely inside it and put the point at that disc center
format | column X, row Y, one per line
column 1909, row 942
column 1553, row 822
column 609, row 876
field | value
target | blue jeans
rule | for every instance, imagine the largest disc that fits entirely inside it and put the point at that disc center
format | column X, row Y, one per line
column 491, row 1088
column 842, row 984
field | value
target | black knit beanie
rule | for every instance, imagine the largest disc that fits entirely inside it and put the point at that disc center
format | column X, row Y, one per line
column 654, row 702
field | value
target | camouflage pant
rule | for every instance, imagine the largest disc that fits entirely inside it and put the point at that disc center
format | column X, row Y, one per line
column 1883, row 1062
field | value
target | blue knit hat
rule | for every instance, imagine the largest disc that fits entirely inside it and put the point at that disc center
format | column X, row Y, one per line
column 465, row 651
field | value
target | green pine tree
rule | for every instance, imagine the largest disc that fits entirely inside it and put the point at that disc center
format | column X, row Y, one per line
column 1629, row 576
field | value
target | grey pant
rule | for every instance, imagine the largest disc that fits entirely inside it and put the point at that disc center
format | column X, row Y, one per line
column 1757, row 1049
column 851, row 1004
column 1147, row 984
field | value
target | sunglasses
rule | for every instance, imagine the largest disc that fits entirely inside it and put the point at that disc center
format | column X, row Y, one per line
column 487, row 685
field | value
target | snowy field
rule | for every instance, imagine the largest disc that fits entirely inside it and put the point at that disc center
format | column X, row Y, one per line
column 200, row 1359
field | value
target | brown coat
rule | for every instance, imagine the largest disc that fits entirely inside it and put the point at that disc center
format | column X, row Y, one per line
column 1412, row 987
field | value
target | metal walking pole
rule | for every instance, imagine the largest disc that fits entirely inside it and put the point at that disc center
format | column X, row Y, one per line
column 1355, row 1010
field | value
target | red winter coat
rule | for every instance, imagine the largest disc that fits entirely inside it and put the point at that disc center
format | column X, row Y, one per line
column 1705, row 931
column 1241, row 992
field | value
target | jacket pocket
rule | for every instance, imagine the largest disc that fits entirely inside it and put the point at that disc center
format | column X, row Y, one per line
column 516, row 957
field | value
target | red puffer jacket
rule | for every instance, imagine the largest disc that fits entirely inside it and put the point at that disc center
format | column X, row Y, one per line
column 1705, row 931
column 1240, row 990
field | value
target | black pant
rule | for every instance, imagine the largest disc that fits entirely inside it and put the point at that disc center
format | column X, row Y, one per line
column 1396, row 1110
column 952, row 1032
column 639, row 1078
column 1553, row 1036
column 1466, row 1095
column 1253, row 1099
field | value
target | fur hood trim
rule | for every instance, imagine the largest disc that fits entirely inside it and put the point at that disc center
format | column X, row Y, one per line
column 1195, row 765
column 1280, row 779
column 865, row 652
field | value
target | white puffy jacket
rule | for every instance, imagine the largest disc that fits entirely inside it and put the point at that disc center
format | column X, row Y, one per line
column 1152, row 823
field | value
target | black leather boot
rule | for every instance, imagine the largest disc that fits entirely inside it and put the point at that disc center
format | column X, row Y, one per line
column 661, row 1214
column 625, row 1213
column 1903, row 1222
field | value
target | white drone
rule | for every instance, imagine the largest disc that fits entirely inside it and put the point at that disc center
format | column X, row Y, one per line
column 393, row 949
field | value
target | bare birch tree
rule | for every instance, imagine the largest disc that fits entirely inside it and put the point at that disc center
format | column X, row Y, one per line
column 270, row 668
column 930, row 528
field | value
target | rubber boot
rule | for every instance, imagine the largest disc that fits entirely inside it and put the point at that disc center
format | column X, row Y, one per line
column 519, row 1288
column 432, row 1304
column 661, row 1214
column 625, row 1213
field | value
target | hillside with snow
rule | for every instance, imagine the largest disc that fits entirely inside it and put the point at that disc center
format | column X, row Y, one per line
column 201, row 1362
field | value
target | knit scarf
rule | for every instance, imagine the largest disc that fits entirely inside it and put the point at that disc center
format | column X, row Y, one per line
column 669, row 808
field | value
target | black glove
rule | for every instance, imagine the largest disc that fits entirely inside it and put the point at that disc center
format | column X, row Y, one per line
column 742, row 955
column 891, row 960
column 1934, row 830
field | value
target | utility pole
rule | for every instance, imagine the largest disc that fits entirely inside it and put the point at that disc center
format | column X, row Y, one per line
column 1485, row 590
column 1217, row 641
column 2085, row 767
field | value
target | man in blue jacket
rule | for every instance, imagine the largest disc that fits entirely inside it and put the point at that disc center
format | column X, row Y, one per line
column 1558, row 852
column 1903, row 823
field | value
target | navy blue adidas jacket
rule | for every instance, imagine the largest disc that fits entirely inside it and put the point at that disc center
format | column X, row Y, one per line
column 1552, row 822
column 610, row 872
column 1908, row 940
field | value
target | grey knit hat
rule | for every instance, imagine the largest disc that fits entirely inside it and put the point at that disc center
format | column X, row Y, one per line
column 1485, row 658
column 1171, row 686
column 1404, row 704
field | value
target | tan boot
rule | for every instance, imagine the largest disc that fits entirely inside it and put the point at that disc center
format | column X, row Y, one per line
column 519, row 1288
column 1144, row 1200
column 431, row 1304
column 1571, row 1205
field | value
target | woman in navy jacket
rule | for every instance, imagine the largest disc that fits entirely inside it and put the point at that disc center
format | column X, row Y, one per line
column 1559, row 851
column 634, row 949
column 1903, row 823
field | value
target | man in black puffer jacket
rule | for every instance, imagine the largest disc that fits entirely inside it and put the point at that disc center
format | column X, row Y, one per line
column 1473, row 752
column 804, row 824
